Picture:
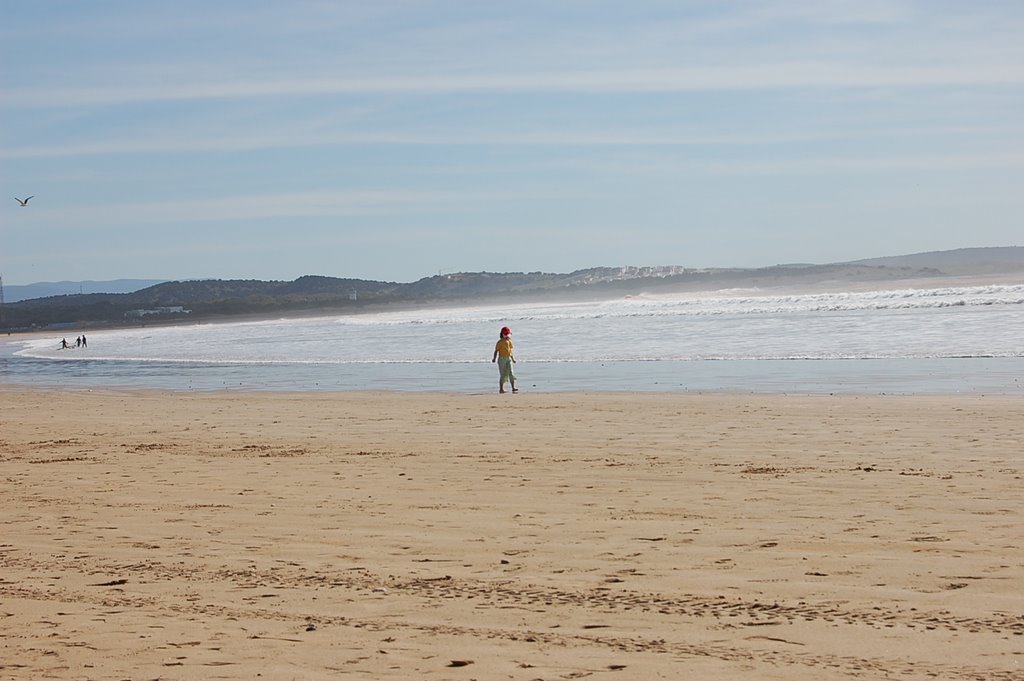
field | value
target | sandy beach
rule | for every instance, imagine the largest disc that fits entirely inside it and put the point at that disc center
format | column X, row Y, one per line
column 546, row 536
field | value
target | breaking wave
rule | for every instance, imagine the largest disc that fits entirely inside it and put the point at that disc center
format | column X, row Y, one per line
column 951, row 322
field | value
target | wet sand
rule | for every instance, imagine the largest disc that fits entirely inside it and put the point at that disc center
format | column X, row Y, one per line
column 532, row 536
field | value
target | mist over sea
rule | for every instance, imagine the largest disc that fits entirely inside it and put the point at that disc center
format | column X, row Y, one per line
column 954, row 339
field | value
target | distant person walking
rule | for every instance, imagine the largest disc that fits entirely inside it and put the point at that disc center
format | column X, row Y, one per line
column 505, row 359
column 84, row 344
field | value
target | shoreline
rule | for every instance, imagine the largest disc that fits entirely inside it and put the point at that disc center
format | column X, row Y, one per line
column 995, row 376
column 926, row 376
column 922, row 376
column 391, row 535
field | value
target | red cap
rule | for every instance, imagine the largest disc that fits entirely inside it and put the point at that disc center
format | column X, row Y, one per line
column 505, row 331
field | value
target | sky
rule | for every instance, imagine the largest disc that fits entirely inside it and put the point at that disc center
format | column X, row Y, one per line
column 399, row 139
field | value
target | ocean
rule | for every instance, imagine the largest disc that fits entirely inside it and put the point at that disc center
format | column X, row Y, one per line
column 918, row 341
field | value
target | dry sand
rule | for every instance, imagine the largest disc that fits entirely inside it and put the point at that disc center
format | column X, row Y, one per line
column 535, row 536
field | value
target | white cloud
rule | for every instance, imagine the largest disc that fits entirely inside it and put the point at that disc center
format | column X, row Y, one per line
column 268, row 206
column 753, row 77
column 927, row 162
column 641, row 165
column 307, row 134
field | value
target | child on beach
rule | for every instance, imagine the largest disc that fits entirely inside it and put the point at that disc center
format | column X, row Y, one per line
column 505, row 359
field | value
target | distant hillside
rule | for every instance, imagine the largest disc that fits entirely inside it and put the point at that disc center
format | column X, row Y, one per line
column 14, row 293
column 977, row 261
column 216, row 299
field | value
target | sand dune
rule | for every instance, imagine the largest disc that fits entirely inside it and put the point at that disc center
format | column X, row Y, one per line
column 536, row 536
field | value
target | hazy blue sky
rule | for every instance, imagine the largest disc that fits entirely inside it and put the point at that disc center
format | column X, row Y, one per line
column 395, row 139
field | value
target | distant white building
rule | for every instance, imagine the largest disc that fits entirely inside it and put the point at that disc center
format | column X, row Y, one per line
column 174, row 309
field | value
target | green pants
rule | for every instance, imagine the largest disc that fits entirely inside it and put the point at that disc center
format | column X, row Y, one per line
column 505, row 369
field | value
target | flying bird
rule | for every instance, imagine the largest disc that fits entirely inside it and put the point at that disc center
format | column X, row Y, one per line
column 24, row 202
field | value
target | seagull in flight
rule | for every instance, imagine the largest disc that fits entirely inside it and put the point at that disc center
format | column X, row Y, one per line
column 24, row 202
